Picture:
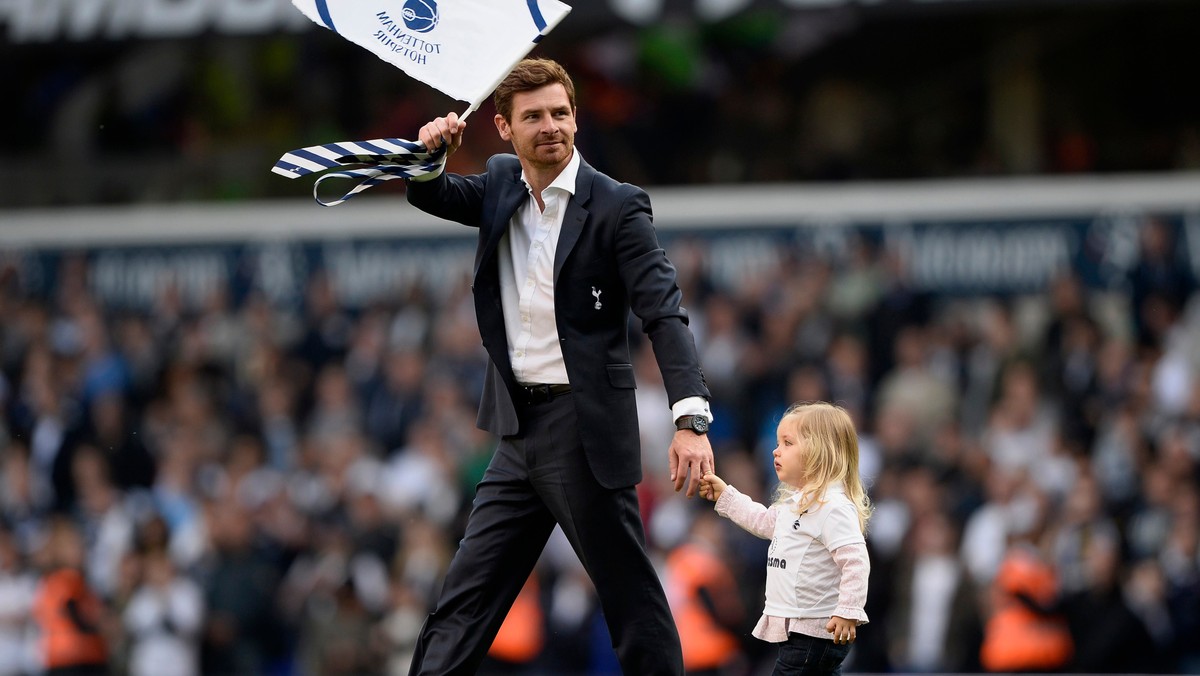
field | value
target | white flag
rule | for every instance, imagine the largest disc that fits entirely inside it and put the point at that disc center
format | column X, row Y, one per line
column 461, row 47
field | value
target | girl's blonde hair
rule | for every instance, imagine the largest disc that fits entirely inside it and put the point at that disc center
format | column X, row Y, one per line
column 831, row 458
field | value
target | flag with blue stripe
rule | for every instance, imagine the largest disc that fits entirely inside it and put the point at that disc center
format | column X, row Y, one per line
column 463, row 48
column 460, row 47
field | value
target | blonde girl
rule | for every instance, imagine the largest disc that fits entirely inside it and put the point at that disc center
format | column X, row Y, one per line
column 817, row 565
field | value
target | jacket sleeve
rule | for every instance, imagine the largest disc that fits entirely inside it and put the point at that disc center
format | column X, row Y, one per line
column 450, row 196
column 654, row 296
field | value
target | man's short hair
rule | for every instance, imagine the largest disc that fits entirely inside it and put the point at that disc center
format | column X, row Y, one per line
column 528, row 75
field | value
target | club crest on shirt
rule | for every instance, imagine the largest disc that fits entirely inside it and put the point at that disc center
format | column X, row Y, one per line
column 596, row 292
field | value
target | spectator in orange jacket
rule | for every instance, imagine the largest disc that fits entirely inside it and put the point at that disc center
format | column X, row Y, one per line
column 1025, row 631
column 703, row 595
column 68, row 612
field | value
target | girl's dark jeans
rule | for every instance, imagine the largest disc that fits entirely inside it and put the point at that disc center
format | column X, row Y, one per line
column 808, row 656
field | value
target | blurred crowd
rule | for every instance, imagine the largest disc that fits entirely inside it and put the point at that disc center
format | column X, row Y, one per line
column 235, row 488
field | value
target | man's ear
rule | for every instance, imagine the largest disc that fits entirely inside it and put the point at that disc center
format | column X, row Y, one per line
column 502, row 127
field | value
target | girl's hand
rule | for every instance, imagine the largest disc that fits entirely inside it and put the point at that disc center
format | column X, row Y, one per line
column 842, row 631
column 711, row 487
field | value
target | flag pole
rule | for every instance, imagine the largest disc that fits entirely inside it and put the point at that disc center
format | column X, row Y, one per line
column 475, row 104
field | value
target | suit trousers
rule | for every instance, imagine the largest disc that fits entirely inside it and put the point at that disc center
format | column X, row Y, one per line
column 532, row 483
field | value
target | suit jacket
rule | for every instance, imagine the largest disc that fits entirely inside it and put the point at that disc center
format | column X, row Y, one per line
column 607, row 243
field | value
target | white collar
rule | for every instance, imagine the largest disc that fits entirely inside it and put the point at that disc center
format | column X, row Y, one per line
column 832, row 489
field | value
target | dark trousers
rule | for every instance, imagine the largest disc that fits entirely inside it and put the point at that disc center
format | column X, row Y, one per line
column 533, row 483
column 810, row 656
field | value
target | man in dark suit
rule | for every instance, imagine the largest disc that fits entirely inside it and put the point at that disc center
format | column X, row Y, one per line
column 564, row 254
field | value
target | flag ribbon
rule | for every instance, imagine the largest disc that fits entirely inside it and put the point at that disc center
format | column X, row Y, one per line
column 380, row 160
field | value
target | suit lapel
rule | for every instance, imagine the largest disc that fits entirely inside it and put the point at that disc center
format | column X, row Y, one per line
column 487, row 273
column 575, row 216
column 513, row 192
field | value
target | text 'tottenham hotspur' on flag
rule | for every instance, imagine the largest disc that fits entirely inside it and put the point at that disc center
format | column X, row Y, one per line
column 460, row 47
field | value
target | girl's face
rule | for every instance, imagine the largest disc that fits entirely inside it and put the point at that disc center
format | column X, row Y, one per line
column 789, row 453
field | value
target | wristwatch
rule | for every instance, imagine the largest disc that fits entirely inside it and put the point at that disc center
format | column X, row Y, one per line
column 696, row 423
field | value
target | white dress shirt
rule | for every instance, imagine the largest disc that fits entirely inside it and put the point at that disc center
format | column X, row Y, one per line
column 527, row 287
column 527, row 281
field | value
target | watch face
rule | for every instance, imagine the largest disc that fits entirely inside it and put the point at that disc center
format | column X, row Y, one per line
column 700, row 424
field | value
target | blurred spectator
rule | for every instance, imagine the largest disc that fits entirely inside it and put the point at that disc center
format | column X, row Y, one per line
column 1145, row 593
column 276, row 419
column 704, row 599
column 572, row 611
column 849, row 384
column 335, row 632
column 394, row 398
column 421, row 476
column 1012, row 509
column 1070, row 352
column 722, row 344
column 241, row 633
column 70, row 616
column 1160, row 283
column 1179, row 565
column 18, row 587
column 911, row 385
column 935, row 623
column 164, row 618
column 995, row 345
column 106, row 523
column 1022, row 429
column 399, row 628
column 1149, row 522
column 522, row 637
column 1108, row 636
column 109, row 429
column 20, row 513
column 1024, row 630
column 44, row 417
column 900, row 305
column 1083, row 519
column 103, row 370
column 327, row 331
column 423, row 558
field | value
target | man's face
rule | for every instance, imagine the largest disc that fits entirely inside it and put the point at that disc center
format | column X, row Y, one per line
column 542, row 129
